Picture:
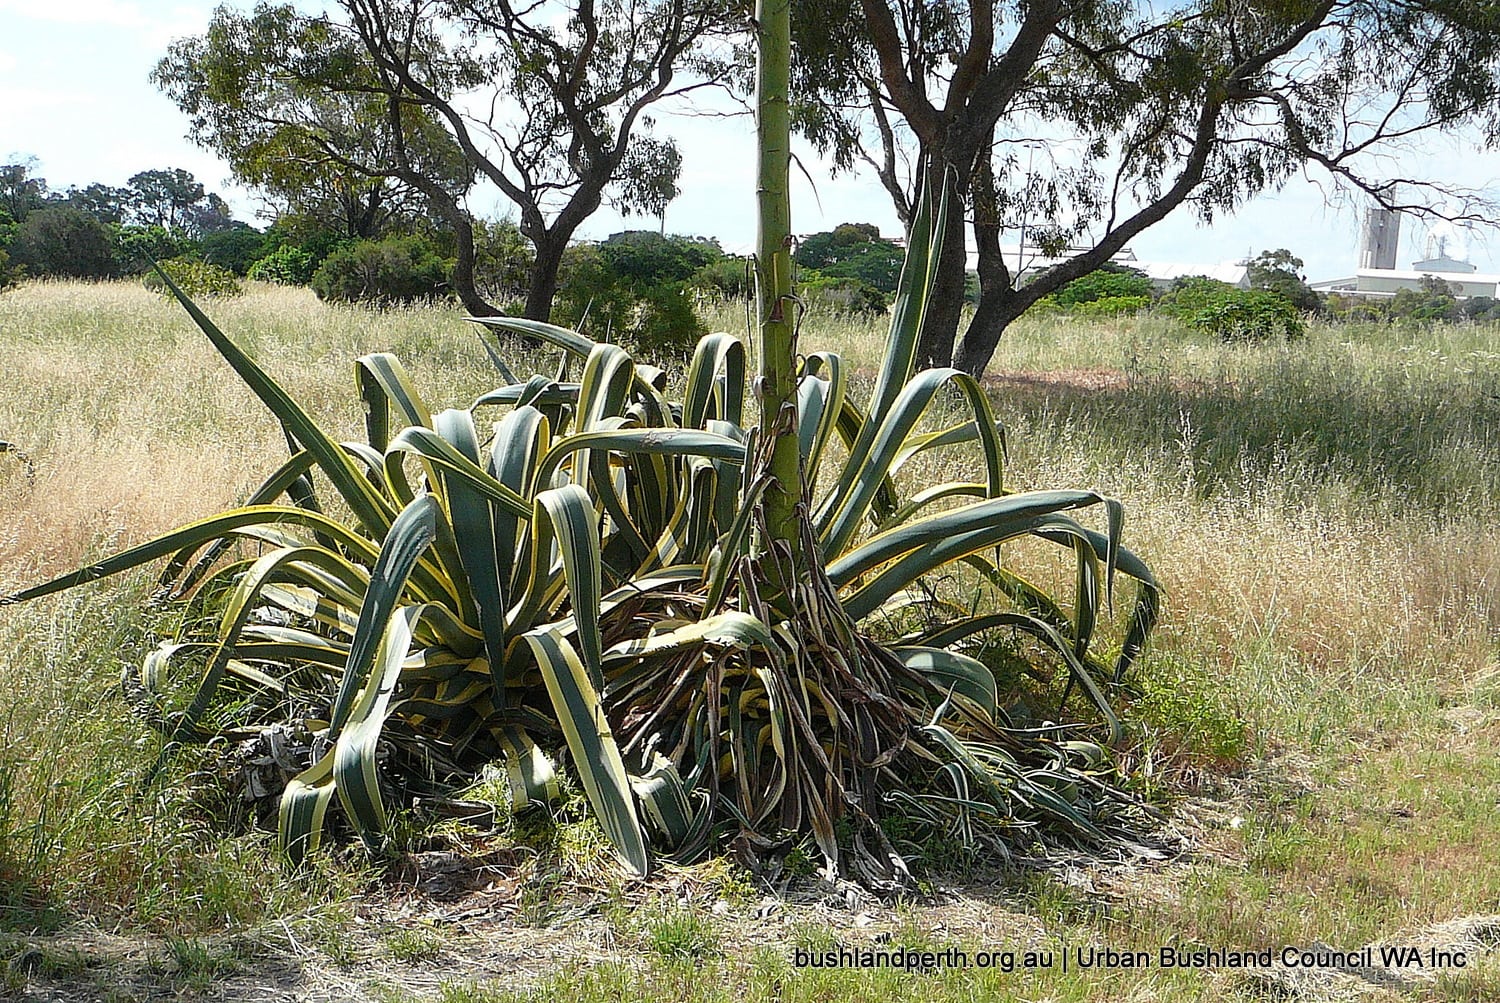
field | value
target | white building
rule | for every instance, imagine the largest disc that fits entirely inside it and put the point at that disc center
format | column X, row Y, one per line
column 1463, row 279
column 1380, row 283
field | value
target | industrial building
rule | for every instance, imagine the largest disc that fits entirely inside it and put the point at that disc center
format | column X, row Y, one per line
column 1378, row 277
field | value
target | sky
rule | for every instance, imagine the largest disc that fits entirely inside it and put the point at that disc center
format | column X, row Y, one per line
column 75, row 95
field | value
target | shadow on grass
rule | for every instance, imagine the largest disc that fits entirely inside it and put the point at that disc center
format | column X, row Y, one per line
column 1416, row 439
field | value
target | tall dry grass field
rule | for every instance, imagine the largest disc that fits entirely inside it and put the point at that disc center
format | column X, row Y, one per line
column 128, row 424
column 1317, row 711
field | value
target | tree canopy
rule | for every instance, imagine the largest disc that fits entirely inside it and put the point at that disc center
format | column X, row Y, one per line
column 100, row 230
column 387, row 99
column 1080, row 124
column 853, row 251
column 1280, row 271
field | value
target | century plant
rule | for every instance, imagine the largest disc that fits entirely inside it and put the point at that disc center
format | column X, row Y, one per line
column 645, row 589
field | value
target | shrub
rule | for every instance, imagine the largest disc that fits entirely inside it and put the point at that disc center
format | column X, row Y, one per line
column 1280, row 271
column 393, row 270
column 1483, row 309
column 663, row 322
column 636, row 282
column 195, row 278
column 589, row 296
column 9, row 275
column 1187, row 296
column 502, row 260
column 728, row 278
column 1358, row 309
column 1047, row 306
column 844, row 297
column 1433, row 301
column 236, row 247
column 1113, row 306
column 1108, row 282
column 853, row 251
column 137, row 246
column 64, row 242
column 1249, row 315
column 288, row 265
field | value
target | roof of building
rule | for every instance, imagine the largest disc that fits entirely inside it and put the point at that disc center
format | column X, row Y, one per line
column 1159, row 271
column 1167, row 271
column 1408, row 276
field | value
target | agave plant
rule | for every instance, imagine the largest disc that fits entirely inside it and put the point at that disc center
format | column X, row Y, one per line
column 580, row 579
column 649, row 591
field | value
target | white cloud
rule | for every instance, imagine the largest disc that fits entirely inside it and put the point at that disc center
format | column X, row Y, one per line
column 33, row 108
column 116, row 13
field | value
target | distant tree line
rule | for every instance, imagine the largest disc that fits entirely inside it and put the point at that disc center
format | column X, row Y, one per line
column 379, row 120
column 1275, row 306
column 638, row 284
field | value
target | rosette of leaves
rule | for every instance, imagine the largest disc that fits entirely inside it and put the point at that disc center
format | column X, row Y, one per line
column 563, row 576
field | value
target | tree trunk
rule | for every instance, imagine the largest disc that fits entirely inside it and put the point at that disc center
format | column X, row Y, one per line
column 997, row 308
column 945, row 308
column 997, row 294
column 463, row 268
column 541, row 277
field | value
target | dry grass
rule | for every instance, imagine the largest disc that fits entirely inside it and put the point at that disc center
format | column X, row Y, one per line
column 1322, row 516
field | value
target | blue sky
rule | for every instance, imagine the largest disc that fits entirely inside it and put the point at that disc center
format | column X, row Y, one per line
column 74, row 94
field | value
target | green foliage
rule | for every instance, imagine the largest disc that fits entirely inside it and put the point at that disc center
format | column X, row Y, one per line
column 1357, row 309
column 1434, row 301
column 1249, row 315
column 137, row 246
column 645, row 258
column 1108, row 282
column 195, row 278
column 1182, row 714
column 1113, row 306
column 1190, row 295
column 103, row 202
column 21, row 191
column 259, row 90
column 393, row 270
column 680, row 935
column 415, row 945
column 306, row 234
column 9, row 276
column 1480, row 309
column 1280, row 271
column 347, row 124
column 235, row 247
column 175, row 201
column 726, row 278
column 841, row 297
column 1169, row 119
column 462, row 603
column 64, row 242
column 636, row 284
column 853, row 251
column 288, row 265
column 502, row 260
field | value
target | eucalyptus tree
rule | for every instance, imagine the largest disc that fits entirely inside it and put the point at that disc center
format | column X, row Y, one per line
column 547, row 103
column 1078, row 124
column 21, row 189
column 175, row 201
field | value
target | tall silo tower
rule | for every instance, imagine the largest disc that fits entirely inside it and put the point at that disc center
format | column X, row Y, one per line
column 1382, row 231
